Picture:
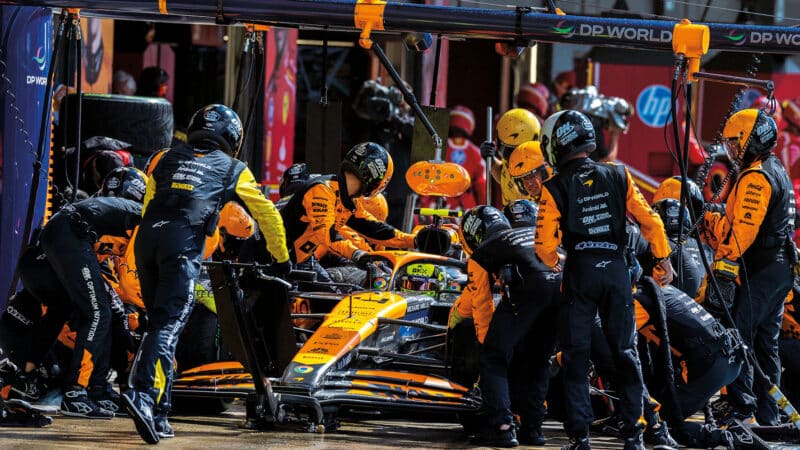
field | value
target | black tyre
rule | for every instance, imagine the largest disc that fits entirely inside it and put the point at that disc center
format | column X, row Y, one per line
column 144, row 122
column 198, row 342
column 717, row 172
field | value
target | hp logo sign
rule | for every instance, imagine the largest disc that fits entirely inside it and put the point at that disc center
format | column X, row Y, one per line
column 653, row 106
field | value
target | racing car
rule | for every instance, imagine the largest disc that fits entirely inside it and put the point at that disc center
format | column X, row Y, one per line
column 383, row 347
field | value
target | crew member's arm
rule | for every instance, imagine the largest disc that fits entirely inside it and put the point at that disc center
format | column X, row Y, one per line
column 476, row 300
column 649, row 221
column 746, row 213
column 264, row 212
column 319, row 203
column 497, row 169
column 380, row 233
column 548, row 237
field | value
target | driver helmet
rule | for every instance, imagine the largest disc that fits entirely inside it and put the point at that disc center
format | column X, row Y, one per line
column 422, row 278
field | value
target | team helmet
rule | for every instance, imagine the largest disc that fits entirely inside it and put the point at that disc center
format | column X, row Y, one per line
column 669, row 210
column 671, row 188
column 566, row 133
column 526, row 160
column 218, row 126
column 372, row 165
column 480, row 223
column 521, row 213
column 125, row 182
column 750, row 134
column 515, row 127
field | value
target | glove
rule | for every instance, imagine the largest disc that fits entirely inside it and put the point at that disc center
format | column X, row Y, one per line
column 487, row 149
column 280, row 269
column 663, row 272
column 455, row 319
column 725, row 272
column 361, row 259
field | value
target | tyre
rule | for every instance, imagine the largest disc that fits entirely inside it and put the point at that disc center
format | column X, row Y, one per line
column 144, row 122
column 198, row 342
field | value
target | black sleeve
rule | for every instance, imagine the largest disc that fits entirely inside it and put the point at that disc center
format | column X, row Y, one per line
column 372, row 229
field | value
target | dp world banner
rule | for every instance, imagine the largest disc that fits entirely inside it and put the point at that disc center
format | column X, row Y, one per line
column 26, row 45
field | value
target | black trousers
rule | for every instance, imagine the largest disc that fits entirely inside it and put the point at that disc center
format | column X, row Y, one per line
column 592, row 285
column 526, row 332
column 168, row 258
column 758, row 314
column 74, row 262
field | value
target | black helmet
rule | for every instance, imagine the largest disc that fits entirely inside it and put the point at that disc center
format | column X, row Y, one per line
column 669, row 210
column 125, row 182
column 749, row 134
column 293, row 178
column 671, row 188
column 566, row 133
column 218, row 126
column 521, row 213
column 372, row 165
column 480, row 223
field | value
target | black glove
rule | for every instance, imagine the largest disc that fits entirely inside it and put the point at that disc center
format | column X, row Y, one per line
column 725, row 273
column 280, row 269
column 488, row 149
column 360, row 259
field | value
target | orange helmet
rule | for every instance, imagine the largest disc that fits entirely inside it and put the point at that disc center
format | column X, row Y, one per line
column 526, row 160
column 462, row 117
column 235, row 221
column 376, row 205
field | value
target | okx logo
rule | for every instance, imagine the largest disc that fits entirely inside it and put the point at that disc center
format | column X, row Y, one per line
column 653, row 106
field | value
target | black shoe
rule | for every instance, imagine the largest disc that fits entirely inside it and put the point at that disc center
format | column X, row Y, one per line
column 579, row 443
column 495, row 437
column 8, row 371
column 76, row 403
column 163, row 428
column 658, row 436
column 531, row 436
column 745, row 439
column 107, row 398
column 26, row 388
column 139, row 406
column 634, row 442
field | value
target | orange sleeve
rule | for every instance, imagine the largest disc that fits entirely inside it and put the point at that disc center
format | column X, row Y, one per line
column 130, row 291
column 649, row 221
column 476, row 300
column 746, row 212
column 547, row 229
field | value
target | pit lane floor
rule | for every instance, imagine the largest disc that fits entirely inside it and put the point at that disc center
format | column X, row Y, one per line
column 222, row 431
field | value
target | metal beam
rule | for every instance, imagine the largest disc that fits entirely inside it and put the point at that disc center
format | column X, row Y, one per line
column 506, row 25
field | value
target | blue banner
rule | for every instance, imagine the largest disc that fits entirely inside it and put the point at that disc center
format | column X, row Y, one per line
column 25, row 51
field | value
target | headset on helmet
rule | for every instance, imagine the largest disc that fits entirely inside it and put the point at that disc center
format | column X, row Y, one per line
column 669, row 210
column 480, row 223
column 526, row 160
column 515, row 127
column 216, row 126
column 372, row 165
column 292, row 178
column 521, row 213
column 671, row 188
column 125, row 182
column 750, row 134
column 235, row 225
column 566, row 133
